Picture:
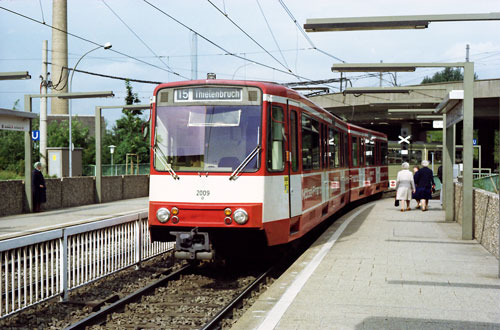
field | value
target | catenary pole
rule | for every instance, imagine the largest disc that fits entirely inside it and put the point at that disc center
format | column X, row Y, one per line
column 43, row 107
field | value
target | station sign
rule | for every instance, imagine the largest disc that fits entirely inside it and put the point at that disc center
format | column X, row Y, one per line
column 11, row 123
column 392, row 184
column 437, row 124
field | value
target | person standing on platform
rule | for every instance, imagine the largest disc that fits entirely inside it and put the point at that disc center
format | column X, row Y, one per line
column 415, row 170
column 440, row 177
column 424, row 179
column 39, row 188
column 405, row 186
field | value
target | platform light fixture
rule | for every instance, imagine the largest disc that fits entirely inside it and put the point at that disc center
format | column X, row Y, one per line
column 20, row 75
column 434, row 117
column 429, row 111
column 390, row 22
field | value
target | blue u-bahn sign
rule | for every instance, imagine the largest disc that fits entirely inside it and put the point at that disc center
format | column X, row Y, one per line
column 35, row 135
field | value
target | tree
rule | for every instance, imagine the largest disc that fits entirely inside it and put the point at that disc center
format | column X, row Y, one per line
column 127, row 134
column 448, row 74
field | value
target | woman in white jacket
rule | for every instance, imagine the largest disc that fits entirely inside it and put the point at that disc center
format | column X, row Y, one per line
column 404, row 186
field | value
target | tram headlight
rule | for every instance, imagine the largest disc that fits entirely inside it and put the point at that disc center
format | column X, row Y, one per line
column 240, row 216
column 163, row 214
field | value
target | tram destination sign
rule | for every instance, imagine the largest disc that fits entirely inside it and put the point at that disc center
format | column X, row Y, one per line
column 207, row 94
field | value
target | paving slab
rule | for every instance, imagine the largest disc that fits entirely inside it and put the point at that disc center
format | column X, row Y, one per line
column 379, row 268
column 29, row 223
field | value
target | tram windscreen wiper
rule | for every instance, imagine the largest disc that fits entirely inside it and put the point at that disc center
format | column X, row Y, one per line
column 164, row 162
column 244, row 163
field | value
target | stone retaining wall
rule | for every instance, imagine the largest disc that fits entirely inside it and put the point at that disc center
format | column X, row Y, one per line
column 486, row 217
column 11, row 197
column 70, row 192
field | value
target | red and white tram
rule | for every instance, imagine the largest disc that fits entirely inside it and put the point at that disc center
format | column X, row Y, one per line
column 235, row 164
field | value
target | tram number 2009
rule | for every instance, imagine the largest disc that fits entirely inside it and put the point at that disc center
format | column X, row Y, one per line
column 202, row 193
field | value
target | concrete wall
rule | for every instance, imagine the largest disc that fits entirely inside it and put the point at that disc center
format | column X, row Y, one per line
column 11, row 197
column 486, row 217
column 76, row 191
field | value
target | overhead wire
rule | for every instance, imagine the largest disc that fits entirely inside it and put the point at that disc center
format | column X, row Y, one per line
column 220, row 47
column 41, row 9
column 249, row 36
column 109, row 76
column 90, row 41
column 136, row 35
column 271, row 31
column 305, row 34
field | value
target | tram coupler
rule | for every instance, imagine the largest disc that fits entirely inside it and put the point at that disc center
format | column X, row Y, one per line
column 192, row 245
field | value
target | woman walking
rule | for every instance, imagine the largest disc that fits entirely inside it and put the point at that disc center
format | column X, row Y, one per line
column 405, row 186
column 424, row 179
column 415, row 170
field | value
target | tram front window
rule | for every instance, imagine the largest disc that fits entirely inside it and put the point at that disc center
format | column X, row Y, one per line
column 206, row 138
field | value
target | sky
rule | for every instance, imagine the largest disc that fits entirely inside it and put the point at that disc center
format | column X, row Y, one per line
column 160, row 47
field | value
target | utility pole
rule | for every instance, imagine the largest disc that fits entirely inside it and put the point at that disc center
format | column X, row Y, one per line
column 467, row 48
column 59, row 55
column 194, row 57
column 43, row 106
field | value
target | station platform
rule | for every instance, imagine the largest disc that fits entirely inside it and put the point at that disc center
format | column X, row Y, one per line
column 29, row 223
column 379, row 268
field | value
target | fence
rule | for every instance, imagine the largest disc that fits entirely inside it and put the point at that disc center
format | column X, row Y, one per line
column 117, row 169
column 37, row 267
column 488, row 183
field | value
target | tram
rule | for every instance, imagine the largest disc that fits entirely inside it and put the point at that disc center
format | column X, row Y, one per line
column 241, row 164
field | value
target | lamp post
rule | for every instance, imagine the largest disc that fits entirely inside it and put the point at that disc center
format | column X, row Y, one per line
column 106, row 46
column 112, row 151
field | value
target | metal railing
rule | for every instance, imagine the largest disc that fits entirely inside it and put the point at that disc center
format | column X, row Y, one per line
column 117, row 169
column 479, row 173
column 38, row 267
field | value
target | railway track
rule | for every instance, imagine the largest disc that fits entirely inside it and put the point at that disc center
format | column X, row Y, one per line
column 190, row 298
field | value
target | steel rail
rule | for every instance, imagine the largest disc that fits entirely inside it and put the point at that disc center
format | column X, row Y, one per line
column 215, row 321
column 101, row 315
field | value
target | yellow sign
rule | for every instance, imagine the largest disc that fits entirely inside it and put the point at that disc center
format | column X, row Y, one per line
column 54, row 157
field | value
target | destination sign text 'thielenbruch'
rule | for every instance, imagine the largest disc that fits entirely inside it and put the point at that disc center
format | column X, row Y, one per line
column 208, row 94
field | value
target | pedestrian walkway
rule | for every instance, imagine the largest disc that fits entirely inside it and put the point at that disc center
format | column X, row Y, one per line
column 379, row 268
column 29, row 223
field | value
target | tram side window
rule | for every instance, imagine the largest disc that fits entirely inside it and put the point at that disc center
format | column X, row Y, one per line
column 346, row 151
column 362, row 151
column 334, row 148
column 295, row 143
column 275, row 141
column 370, row 152
column 354, row 143
column 383, row 153
column 324, row 144
column 310, row 143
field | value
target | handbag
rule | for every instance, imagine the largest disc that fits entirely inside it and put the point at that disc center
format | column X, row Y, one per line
column 396, row 202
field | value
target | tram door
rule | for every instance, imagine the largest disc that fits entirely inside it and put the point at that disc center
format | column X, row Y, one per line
column 294, row 177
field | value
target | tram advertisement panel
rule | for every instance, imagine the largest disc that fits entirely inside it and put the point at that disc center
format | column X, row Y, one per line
column 311, row 191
